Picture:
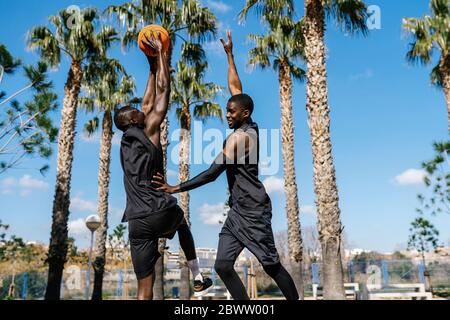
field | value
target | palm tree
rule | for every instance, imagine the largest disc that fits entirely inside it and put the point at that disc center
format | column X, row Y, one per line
column 182, row 19
column 82, row 44
column 190, row 91
column 351, row 17
column 283, row 45
column 107, row 87
column 429, row 34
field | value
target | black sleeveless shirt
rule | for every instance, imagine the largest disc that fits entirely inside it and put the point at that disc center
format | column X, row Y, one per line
column 247, row 192
column 140, row 160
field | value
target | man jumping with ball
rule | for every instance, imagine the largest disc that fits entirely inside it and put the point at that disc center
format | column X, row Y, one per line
column 151, row 213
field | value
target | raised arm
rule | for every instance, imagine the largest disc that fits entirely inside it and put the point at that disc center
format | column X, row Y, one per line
column 159, row 110
column 234, row 83
column 148, row 101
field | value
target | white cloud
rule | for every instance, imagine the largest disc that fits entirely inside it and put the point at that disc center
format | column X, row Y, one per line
column 211, row 214
column 273, row 184
column 80, row 205
column 410, row 177
column 8, row 182
column 90, row 139
column 367, row 74
column 25, row 193
column 307, row 209
column 218, row 6
column 77, row 227
column 28, row 182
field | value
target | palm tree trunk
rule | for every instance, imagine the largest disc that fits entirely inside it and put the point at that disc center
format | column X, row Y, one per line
column 445, row 72
column 328, row 212
column 58, row 241
column 185, row 140
column 295, row 244
column 158, row 289
column 103, row 193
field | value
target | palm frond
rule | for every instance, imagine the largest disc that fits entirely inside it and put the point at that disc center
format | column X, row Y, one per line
column 436, row 77
column 43, row 40
column 192, row 53
column 7, row 61
column 350, row 15
column 267, row 9
column 208, row 110
column 421, row 49
column 91, row 126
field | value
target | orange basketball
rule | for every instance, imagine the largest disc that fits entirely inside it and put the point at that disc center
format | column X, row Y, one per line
column 148, row 30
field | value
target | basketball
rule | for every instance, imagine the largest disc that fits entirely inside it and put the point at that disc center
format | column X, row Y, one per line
column 148, row 30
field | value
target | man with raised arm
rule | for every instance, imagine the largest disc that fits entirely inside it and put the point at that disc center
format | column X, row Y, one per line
column 151, row 213
column 248, row 224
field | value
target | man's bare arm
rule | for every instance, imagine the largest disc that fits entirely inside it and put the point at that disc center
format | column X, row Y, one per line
column 234, row 83
column 148, row 100
column 158, row 113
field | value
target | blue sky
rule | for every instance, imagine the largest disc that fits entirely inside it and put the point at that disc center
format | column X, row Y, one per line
column 384, row 117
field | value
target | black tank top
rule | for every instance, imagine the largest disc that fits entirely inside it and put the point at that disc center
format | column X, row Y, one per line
column 141, row 160
column 246, row 191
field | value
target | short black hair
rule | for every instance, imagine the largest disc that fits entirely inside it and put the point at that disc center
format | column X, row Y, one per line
column 122, row 117
column 244, row 101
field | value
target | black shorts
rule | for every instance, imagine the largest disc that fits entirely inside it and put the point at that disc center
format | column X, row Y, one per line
column 251, row 230
column 144, row 234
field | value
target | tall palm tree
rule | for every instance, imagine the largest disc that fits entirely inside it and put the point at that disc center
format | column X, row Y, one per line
column 82, row 43
column 351, row 17
column 182, row 19
column 107, row 88
column 190, row 91
column 282, row 47
column 429, row 34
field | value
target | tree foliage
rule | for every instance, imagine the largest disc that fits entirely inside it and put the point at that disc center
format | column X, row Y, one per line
column 437, row 181
column 26, row 128
column 430, row 34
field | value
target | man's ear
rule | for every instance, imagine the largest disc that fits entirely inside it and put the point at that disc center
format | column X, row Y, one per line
column 246, row 113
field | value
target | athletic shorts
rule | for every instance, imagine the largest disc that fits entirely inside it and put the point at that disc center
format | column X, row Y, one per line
column 144, row 234
column 251, row 230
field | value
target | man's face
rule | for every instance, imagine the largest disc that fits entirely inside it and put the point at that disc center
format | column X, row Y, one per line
column 138, row 118
column 236, row 116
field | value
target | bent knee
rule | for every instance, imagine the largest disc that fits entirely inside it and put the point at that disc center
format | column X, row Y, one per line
column 224, row 267
column 273, row 269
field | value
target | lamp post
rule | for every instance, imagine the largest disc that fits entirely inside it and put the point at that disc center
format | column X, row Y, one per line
column 92, row 223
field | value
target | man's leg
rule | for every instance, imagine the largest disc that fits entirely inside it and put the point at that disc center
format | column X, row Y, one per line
column 283, row 279
column 227, row 253
column 145, row 287
column 144, row 254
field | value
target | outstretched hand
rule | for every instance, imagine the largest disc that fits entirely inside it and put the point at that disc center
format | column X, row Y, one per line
column 153, row 42
column 228, row 46
column 160, row 184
